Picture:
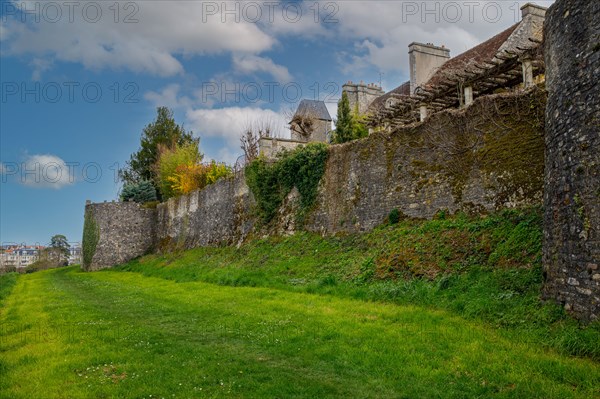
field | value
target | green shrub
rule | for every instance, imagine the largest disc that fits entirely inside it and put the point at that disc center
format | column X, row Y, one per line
column 263, row 180
column 442, row 214
column 350, row 125
column 141, row 192
column 394, row 216
column 215, row 171
column 271, row 182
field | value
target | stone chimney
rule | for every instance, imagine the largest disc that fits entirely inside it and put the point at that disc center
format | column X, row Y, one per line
column 533, row 9
column 425, row 59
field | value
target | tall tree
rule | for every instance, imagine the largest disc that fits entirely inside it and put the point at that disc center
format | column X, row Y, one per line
column 59, row 242
column 343, row 125
column 164, row 131
column 350, row 125
column 57, row 253
column 359, row 127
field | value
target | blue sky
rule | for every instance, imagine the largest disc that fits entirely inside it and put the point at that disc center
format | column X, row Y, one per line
column 79, row 81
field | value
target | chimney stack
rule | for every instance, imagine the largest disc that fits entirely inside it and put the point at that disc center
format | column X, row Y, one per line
column 533, row 9
column 425, row 59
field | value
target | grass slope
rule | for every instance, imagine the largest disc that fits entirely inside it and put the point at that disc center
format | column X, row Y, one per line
column 117, row 334
column 442, row 308
column 484, row 269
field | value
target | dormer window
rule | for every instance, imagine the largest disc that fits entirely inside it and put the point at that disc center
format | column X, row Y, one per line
column 390, row 102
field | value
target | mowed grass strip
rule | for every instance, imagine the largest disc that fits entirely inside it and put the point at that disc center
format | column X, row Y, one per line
column 68, row 334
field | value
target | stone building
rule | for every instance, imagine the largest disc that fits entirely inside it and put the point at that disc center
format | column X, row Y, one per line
column 511, row 59
column 361, row 95
column 425, row 60
column 311, row 122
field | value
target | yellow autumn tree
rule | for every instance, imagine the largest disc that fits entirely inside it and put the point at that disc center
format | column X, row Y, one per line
column 173, row 168
column 180, row 171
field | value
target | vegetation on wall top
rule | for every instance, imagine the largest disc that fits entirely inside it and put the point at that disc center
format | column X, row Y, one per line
column 163, row 131
column 141, row 192
column 271, row 182
column 180, row 171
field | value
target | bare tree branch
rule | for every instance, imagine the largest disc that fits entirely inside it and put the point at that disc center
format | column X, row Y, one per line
column 253, row 133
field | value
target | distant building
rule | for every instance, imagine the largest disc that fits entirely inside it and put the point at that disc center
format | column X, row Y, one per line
column 75, row 255
column 310, row 123
column 19, row 256
column 361, row 95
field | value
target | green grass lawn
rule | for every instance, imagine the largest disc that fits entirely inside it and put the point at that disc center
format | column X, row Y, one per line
column 487, row 270
column 69, row 334
column 438, row 309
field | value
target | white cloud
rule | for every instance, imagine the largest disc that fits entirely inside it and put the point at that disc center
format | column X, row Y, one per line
column 225, row 154
column 391, row 52
column 4, row 32
column 229, row 123
column 308, row 19
column 168, row 97
column 164, row 30
column 249, row 64
column 40, row 66
column 384, row 30
column 46, row 171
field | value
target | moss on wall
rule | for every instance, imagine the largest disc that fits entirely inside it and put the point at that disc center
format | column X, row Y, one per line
column 514, row 151
column 500, row 139
column 479, row 159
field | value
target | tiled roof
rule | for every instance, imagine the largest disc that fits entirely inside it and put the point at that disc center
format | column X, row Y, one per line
column 314, row 109
column 486, row 51
column 403, row 90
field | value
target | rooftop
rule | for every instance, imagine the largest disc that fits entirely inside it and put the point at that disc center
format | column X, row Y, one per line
column 491, row 64
column 480, row 54
column 314, row 109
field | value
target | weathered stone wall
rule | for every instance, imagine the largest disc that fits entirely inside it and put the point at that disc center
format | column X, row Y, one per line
column 126, row 231
column 572, row 191
column 487, row 157
column 219, row 214
column 271, row 146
